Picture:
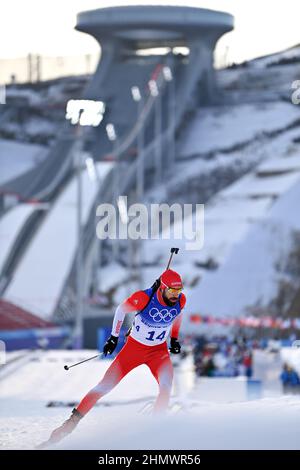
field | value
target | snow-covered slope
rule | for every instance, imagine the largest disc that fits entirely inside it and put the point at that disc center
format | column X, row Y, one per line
column 200, row 421
column 259, row 424
column 249, row 277
column 216, row 128
column 290, row 54
column 266, row 79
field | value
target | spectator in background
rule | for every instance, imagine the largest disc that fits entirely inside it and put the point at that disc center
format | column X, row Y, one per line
column 208, row 366
column 221, row 356
column 289, row 379
column 247, row 362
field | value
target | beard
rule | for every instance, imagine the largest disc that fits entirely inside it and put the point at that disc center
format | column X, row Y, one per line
column 170, row 301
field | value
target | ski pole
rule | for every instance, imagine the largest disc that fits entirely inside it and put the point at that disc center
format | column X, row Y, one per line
column 85, row 360
column 173, row 250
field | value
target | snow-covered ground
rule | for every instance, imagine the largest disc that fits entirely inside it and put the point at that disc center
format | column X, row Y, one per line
column 279, row 165
column 259, row 424
column 204, row 414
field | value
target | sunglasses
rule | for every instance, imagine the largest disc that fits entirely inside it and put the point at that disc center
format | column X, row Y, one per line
column 174, row 291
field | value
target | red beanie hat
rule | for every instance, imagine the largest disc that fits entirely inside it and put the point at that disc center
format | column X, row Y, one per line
column 171, row 279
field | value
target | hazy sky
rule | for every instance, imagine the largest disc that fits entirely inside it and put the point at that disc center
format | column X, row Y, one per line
column 47, row 26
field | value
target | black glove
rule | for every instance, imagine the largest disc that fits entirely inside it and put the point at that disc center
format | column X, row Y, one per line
column 110, row 345
column 175, row 346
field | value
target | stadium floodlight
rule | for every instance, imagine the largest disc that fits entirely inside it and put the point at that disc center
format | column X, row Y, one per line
column 167, row 73
column 153, row 88
column 85, row 112
column 111, row 132
column 136, row 94
column 182, row 50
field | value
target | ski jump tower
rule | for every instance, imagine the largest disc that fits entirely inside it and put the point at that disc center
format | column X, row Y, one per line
column 123, row 32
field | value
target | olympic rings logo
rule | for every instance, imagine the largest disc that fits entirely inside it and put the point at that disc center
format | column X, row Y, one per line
column 162, row 315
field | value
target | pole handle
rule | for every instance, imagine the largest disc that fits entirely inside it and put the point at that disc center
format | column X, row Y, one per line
column 173, row 250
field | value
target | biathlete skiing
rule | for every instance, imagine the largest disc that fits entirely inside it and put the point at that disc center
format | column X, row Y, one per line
column 159, row 314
